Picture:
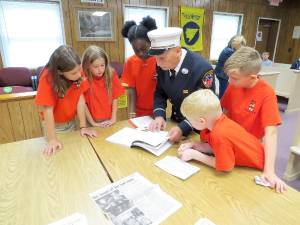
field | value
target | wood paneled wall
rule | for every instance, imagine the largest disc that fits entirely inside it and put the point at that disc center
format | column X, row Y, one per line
column 252, row 9
column 287, row 48
column 295, row 49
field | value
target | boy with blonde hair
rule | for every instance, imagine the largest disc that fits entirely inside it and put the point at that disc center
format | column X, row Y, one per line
column 252, row 103
column 230, row 143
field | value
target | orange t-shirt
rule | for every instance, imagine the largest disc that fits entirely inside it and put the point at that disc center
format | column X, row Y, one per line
column 253, row 108
column 233, row 145
column 97, row 99
column 141, row 75
column 64, row 109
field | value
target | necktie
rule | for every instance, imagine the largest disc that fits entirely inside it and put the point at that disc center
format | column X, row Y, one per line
column 173, row 73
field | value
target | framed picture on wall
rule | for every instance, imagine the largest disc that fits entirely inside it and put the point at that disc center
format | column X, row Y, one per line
column 94, row 24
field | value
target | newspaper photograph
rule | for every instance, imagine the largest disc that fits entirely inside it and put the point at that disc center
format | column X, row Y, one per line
column 134, row 200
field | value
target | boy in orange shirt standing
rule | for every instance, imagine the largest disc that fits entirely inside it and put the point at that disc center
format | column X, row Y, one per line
column 252, row 103
column 230, row 143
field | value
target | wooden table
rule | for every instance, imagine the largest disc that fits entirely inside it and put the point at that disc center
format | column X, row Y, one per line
column 224, row 198
column 37, row 190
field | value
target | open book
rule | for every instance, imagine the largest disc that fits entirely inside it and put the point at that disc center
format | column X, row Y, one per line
column 155, row 142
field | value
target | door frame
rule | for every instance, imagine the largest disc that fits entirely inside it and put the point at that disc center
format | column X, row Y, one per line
column 277, row 36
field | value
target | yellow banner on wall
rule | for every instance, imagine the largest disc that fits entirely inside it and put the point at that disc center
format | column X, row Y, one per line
column 191, row 21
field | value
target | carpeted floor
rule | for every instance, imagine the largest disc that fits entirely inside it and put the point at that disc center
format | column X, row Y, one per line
column 286, row 135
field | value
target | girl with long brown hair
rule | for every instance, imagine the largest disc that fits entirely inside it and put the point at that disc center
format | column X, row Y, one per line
column 60, row 95
column 105, row 87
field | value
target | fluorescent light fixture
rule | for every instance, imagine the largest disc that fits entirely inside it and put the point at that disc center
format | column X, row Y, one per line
column 99, row 13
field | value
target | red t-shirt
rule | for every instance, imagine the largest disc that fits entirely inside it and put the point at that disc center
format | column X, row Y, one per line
column 141, row 75
column 233, row 145
column 253, row 108
column 97, row 99
column 64, row 109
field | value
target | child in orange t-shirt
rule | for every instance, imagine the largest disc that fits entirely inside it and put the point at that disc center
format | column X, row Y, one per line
column 140, row 69
column 60, row 95
column 230, row 143
column 105, row 87
column 252, row 103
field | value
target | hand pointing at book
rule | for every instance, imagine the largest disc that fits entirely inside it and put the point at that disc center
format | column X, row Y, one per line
column 158, row 124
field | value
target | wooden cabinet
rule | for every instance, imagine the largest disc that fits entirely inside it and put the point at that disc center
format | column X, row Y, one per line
column 20, row 120
column 19, row 117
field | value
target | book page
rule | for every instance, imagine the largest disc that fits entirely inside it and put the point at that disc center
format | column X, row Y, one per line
column 124, row 137
column 127, row 136
column 177, row 167
column 158, row 150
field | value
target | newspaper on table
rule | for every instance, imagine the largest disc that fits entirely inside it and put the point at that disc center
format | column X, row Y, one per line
column 135, row 200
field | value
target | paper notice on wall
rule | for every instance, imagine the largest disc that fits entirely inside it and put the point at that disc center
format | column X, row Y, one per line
column 259, row 36
column 296, row 32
